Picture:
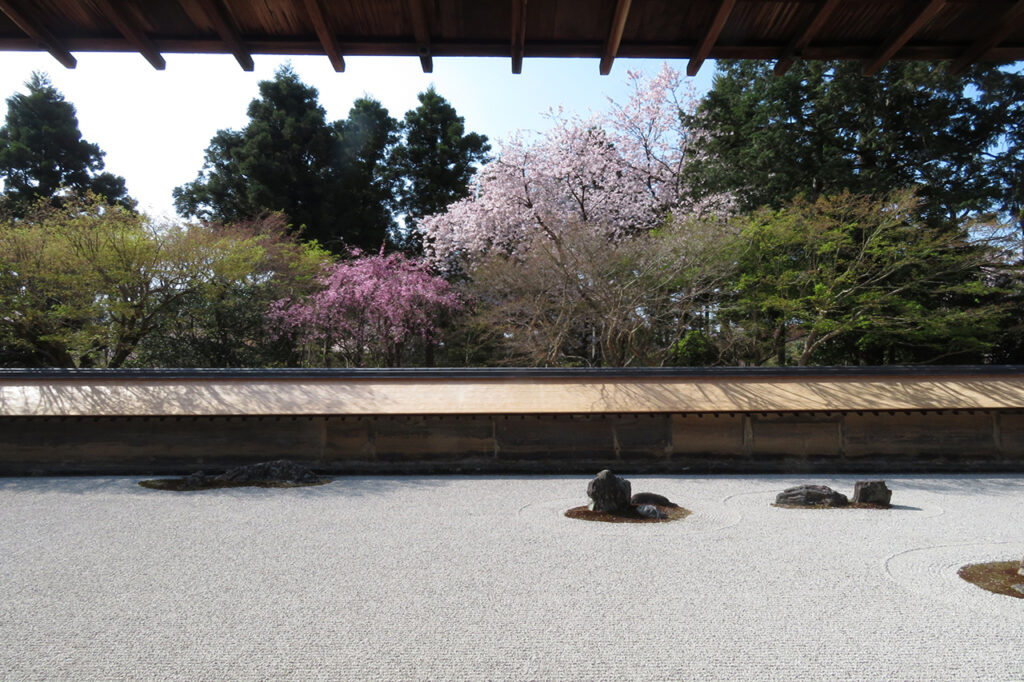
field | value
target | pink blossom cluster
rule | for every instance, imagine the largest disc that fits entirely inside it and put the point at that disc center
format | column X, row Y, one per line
column 619, row 172
column 368, row 308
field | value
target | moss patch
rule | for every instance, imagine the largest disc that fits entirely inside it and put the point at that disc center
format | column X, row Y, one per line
column 586, row 514
column 996, row 576
column 183, row 484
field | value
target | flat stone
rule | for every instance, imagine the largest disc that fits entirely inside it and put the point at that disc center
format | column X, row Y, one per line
column 281, row 470
column 609, row 493
column 872, row 492
column 1018, row 587
column 811, row 496
column 651, row 498
column 650, row 511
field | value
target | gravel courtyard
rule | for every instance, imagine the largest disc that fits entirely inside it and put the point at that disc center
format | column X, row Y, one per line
column 462, row 578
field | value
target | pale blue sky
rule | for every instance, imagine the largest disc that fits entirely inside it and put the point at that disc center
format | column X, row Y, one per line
column 155, row 125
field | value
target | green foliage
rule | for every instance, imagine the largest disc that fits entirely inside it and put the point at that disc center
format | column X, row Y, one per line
column 847, row 278
column 286, row 159
column 42, row 152
column 89, row 285
column 823, row 128
column 434, row 163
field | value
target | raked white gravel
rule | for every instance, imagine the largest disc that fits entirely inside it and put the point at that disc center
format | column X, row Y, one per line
column 461, row 578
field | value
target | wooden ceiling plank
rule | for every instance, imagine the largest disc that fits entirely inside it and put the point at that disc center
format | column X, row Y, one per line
column 804, row 38
column 518, row 34
column 421, row 31
column 114, row 10
column 611, row 45
column 324, row 33
column 926, row 14
column 37, row 32
column 1007, row 23
column 222, row 23
column 704, row 49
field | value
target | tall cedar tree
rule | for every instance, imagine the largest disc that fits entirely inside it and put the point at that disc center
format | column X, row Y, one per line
column 434, row 163
column 823, row 128
column 365, row 191
column 42, row 152
column 286, row 159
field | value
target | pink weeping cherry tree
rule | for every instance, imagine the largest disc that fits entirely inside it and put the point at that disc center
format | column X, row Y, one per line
column 619, row 172
column 368, row 311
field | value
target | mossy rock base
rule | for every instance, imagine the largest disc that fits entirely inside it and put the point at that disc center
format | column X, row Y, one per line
column 584, row 513
column 184, row 485
column 998, row 577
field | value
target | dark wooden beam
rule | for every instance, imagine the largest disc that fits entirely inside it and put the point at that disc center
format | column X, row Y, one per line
column 116, row 13
column 821, row 15
column 225, row 28
column 518, row 34
column 926, row 14
column 37, row 32
column 1007, row 23
column 421, row 31
column 611, row 46
column 325, row 34
column 704, row 48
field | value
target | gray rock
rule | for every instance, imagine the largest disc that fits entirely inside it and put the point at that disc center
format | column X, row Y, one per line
column 872, row 492
column 650, row 511
column 812, row 496
column 609, row 493
column 1020, row 571
column 1018, row 586
column 281, row 470
column 196, row 480
column 651, row 498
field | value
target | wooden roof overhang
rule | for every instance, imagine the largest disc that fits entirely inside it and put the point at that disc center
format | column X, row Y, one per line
column 255, row 393
column 872, row 31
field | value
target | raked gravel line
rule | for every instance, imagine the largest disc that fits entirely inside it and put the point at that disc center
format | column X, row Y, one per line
column 434, row 578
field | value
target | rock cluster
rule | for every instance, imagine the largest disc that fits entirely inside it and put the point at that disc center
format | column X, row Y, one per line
column 610, row 493
column 864, row 492
column 278, row 471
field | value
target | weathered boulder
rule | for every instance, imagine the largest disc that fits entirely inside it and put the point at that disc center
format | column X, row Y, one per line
column 872, row 492
column 811, row 496
column 609, row 493
column 281, row 470
column 1020, row 571
column 651, row 498
column 650, row 511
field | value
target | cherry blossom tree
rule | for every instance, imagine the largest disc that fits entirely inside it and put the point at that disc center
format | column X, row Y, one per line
column 618, row 172
column 368, row 311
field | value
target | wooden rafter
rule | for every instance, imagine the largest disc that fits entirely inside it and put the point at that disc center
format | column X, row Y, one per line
column 118, row 16
column 421, row 31
column 34, row 30
column 225, row 28
column 704, row 49
column 926, row 14
column 1008, row 22
column 611, row 45
column 325, row 34
column 804, row 38
column 518, row 34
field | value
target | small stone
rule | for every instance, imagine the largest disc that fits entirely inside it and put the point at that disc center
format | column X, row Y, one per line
column 811, row 496
column 872, row 492
column 1019, row 587
column 196, row 480
column 650, row 511
column 608, row 493
column 1020, row 571
column 651, row 498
